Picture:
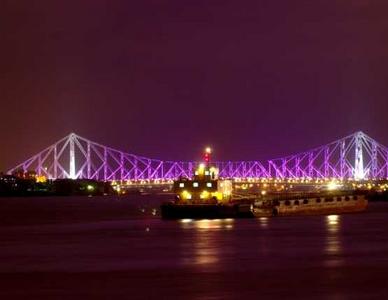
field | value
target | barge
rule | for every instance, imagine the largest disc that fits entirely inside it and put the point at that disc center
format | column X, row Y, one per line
column 310, row 204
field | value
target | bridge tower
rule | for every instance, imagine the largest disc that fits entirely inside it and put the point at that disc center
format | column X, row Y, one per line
column 72, row 174
column 359, row 173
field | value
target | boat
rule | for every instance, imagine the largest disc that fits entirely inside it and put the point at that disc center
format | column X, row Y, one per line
column 206, row 196
column 311, row 204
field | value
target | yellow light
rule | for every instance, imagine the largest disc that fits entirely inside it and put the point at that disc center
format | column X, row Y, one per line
column 186, row 220
column 186, row 195
column 208, row 150
column 332, row 186
column 201, row 170
column 214, row 170
column 204, row 195
column 41, row 178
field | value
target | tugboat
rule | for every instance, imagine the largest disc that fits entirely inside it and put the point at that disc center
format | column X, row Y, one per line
column 205, row 196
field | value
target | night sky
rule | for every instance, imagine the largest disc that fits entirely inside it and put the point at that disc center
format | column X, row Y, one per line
column 255, row 79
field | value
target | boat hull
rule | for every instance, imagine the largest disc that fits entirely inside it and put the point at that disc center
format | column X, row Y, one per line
column 289, row 207
column 336, row 205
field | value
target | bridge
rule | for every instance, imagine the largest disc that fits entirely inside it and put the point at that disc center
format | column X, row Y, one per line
column 356, row 156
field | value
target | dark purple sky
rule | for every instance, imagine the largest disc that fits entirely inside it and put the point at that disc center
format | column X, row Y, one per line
column 255, row 79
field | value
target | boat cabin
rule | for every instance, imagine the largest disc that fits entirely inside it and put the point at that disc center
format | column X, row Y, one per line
column 204, row 187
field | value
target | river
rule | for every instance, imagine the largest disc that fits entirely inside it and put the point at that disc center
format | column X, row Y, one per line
column 106, row 247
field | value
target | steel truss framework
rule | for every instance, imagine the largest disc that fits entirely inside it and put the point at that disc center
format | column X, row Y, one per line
column 356, row 156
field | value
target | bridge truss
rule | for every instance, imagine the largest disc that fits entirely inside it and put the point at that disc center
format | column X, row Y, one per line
column 356, row 156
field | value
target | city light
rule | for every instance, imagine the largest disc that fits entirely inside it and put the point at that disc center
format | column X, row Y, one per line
column 333, row 185
column 204, row 195
column 186, row 195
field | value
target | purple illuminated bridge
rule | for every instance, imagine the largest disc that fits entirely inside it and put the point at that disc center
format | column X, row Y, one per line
column 356, row 156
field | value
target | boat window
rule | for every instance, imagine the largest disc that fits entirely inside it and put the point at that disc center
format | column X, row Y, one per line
column 347, row 198
column 181, row 185
column 209, row 184
column 195, row 184
column 339, row 199
column 329, row 199
column 287, row 202
column 318, row 200
column 296, row 202
column 355, row 197
column 305, row 201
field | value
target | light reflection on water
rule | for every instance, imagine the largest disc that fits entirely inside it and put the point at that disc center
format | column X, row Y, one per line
column 207, row 224
column 333, row 246
column 263, row 222
column 204, row 249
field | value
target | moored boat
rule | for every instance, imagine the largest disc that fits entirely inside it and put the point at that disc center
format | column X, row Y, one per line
column 313, row 204
column 205, row 196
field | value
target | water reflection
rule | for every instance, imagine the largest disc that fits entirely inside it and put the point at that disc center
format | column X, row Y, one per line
column 207, row 224
column 263, row 247
column 333, row 246
column 203, row 248
column 333, row 222
column 186, row 221
column 263, row 222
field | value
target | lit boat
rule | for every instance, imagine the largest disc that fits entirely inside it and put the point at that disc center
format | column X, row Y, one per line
column 204, row 196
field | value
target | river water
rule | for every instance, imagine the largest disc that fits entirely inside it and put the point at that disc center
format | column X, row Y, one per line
column 105, row 248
